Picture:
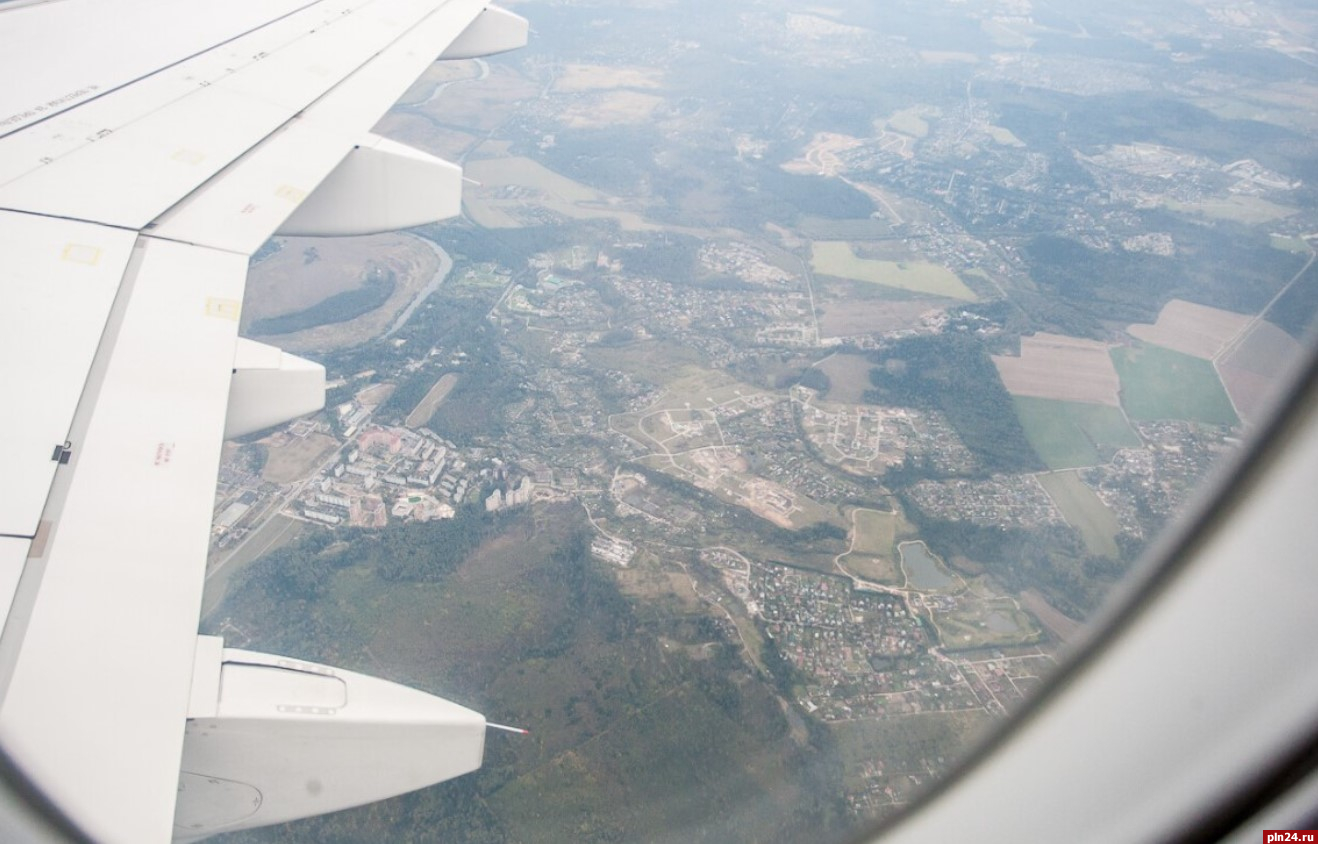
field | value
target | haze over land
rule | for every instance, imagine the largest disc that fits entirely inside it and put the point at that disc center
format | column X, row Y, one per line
column 801, row 378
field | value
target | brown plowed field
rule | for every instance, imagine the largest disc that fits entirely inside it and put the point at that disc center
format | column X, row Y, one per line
column 1194, row 329
column 1052, row 366
column 1253, row 369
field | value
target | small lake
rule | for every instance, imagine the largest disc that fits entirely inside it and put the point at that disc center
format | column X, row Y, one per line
column 922, row 568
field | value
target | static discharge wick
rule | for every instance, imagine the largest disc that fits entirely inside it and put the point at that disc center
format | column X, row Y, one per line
column 517, row 730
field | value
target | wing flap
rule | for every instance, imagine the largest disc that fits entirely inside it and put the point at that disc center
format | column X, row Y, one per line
column 61, row 278
column 13, row 554
column 101, row 639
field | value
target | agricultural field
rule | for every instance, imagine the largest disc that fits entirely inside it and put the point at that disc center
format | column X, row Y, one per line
column 824, row 228
column 897, row 756
column 873, row 554
column 837, row 258
column 1252, row 369
column 656, row 362
column 575, row 78
column 909, row 122
column 844, row 312
column 848, row 377
column 1053, row 366
column 1295, row 245
column 1085, row 511
column 1193, row 329
column 512, row 190
column 426, row 408
column 1158, row 383
column 1246, row 210
column 608, row 108
column 1068, row 434
column 1003, row 136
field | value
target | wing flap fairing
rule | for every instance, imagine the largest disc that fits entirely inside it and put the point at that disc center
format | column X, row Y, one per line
column 311, row 739
column 380, row 186
column 270, row 387
column 494, row 31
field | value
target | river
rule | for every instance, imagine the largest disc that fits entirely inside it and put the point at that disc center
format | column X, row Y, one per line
column 445, row 267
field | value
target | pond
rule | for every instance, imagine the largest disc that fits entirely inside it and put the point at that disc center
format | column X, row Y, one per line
column 922, row 568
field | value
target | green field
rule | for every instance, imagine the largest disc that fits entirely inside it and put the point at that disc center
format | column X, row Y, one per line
column 1247, row 210
column 975, row 624
column 1158, row 383
column 1295, row 245
column 1085, row 511
column 872, row 554
column 876, row 531
column 836, row 258
column 655, row 361
column 1070, row 434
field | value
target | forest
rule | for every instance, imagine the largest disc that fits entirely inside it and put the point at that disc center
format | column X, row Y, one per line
column 341, row 307
column 954, row 374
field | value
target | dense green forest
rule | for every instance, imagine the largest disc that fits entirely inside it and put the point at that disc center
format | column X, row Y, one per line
column 953, row 373
column 1051, row 559
column 632, row 738
column 1294, row 312
column 1236, row 272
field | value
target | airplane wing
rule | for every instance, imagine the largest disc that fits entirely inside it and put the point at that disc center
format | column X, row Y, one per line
column 147, row 149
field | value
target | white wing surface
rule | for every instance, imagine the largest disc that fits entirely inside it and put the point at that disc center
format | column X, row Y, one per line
column 147, row 148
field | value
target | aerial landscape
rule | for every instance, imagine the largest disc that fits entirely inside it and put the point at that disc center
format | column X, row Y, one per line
column 795, row 384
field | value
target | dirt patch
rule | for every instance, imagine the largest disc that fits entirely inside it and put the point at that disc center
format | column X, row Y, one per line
column 426, row 408
column 847, row 317
column 1062, row 626
column 1194, row 329
column 592, row 77
column 515, row 191
column 610, row 108
column 848, row 377
column 1052, row 366
column 293, row 458
column 823, row 155
column 376, row 394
